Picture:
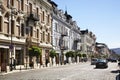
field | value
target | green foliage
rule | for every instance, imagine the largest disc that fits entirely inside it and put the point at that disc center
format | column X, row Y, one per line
column 70, row 54
column 79, row 54
column 84, row 55
column 53, row 53
column 92, row 56
column 35, row 51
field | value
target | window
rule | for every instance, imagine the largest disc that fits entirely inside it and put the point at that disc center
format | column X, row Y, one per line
column 12, row 2
column 27, row 31
column 37, row 11
column 17, row 30
column 18, row 5
column 43, row 36
column 6, row 27
column 49, row 37
column 30, row 7
column 31, row 31
column 22, row 5
column 46, row 37
column 12, row 27
column 48, row 19
column 22, row 29
column 0, row 24
column 43, row 15
column 55, row 26
column 56, row 40
column 37, row 33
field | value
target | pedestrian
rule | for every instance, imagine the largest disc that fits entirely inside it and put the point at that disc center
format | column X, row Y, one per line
column 47, row 61
column 14, row 63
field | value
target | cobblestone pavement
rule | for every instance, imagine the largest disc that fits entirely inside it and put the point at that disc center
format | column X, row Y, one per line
column 81, row 71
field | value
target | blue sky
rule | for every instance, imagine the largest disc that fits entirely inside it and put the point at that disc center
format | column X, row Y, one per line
column 102, row 17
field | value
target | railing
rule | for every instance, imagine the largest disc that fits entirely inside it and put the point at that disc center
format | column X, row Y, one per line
column 33, row 16
column 64, row 34
column 77, row 40
column 64, row 47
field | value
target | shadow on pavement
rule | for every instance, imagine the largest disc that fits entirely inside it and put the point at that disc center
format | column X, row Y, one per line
column 115, row 71
column 100, row 68
column 118, row 77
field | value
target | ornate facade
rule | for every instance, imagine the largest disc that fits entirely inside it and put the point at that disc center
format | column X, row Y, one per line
column 65, row 33
column 23, row 23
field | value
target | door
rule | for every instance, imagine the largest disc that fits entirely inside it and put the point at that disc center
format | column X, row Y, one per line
column 3, row 60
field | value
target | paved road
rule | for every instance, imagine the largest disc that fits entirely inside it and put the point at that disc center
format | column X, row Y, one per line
column 81, row 71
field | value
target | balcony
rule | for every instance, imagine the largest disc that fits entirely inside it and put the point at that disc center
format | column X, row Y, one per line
column 64, row 34
column 33, row 16
column 64, row 47
column 77, row 40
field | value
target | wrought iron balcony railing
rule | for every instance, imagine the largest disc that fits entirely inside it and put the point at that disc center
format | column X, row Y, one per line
column 77, row 40
column 64, row 34
column 33, row 16
column 64, row 47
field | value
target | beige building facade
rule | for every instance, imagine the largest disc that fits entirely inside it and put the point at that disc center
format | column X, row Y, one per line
column 24, row 23
column 88, row 40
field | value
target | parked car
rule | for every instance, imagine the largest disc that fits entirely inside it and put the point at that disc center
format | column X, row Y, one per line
column 93, row 61
column 112, row 60
column 101, row 63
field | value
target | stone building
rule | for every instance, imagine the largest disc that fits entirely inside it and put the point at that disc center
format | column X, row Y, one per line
column 88, row 40
column 102, row 50
column 24, row 23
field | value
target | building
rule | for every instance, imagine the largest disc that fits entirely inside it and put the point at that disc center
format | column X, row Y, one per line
column 102, row 50
column 65, row 33
column 88, row 40
column 12, row 35
column 24, row 23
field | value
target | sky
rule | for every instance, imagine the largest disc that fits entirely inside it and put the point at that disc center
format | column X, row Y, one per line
column 102, row 17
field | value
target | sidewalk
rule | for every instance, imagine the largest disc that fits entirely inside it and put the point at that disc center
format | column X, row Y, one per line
column 17, row 70
column 28, row 69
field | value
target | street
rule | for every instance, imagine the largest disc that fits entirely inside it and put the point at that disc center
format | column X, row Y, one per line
column 80, row 71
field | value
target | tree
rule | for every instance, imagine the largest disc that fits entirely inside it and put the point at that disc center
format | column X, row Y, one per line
column 35, row 51
column 84, row 55
column 52, row 54
column 69, row 54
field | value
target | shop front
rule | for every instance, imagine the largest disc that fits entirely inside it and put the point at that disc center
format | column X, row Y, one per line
column 4, row 59
column 9, row 61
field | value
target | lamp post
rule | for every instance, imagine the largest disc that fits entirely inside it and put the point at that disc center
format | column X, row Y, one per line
column 13, row 12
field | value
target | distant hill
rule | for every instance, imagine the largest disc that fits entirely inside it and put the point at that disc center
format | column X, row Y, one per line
column 116, row 50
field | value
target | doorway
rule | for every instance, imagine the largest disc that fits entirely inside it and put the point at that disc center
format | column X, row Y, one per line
column 3, row 60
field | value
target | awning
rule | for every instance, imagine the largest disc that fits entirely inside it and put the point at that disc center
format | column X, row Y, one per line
column 3, row 46
column 18, row 48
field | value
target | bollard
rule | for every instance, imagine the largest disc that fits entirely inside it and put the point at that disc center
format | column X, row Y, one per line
column 20, row 68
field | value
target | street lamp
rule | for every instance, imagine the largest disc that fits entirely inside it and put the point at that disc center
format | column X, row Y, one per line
column 13, row 12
